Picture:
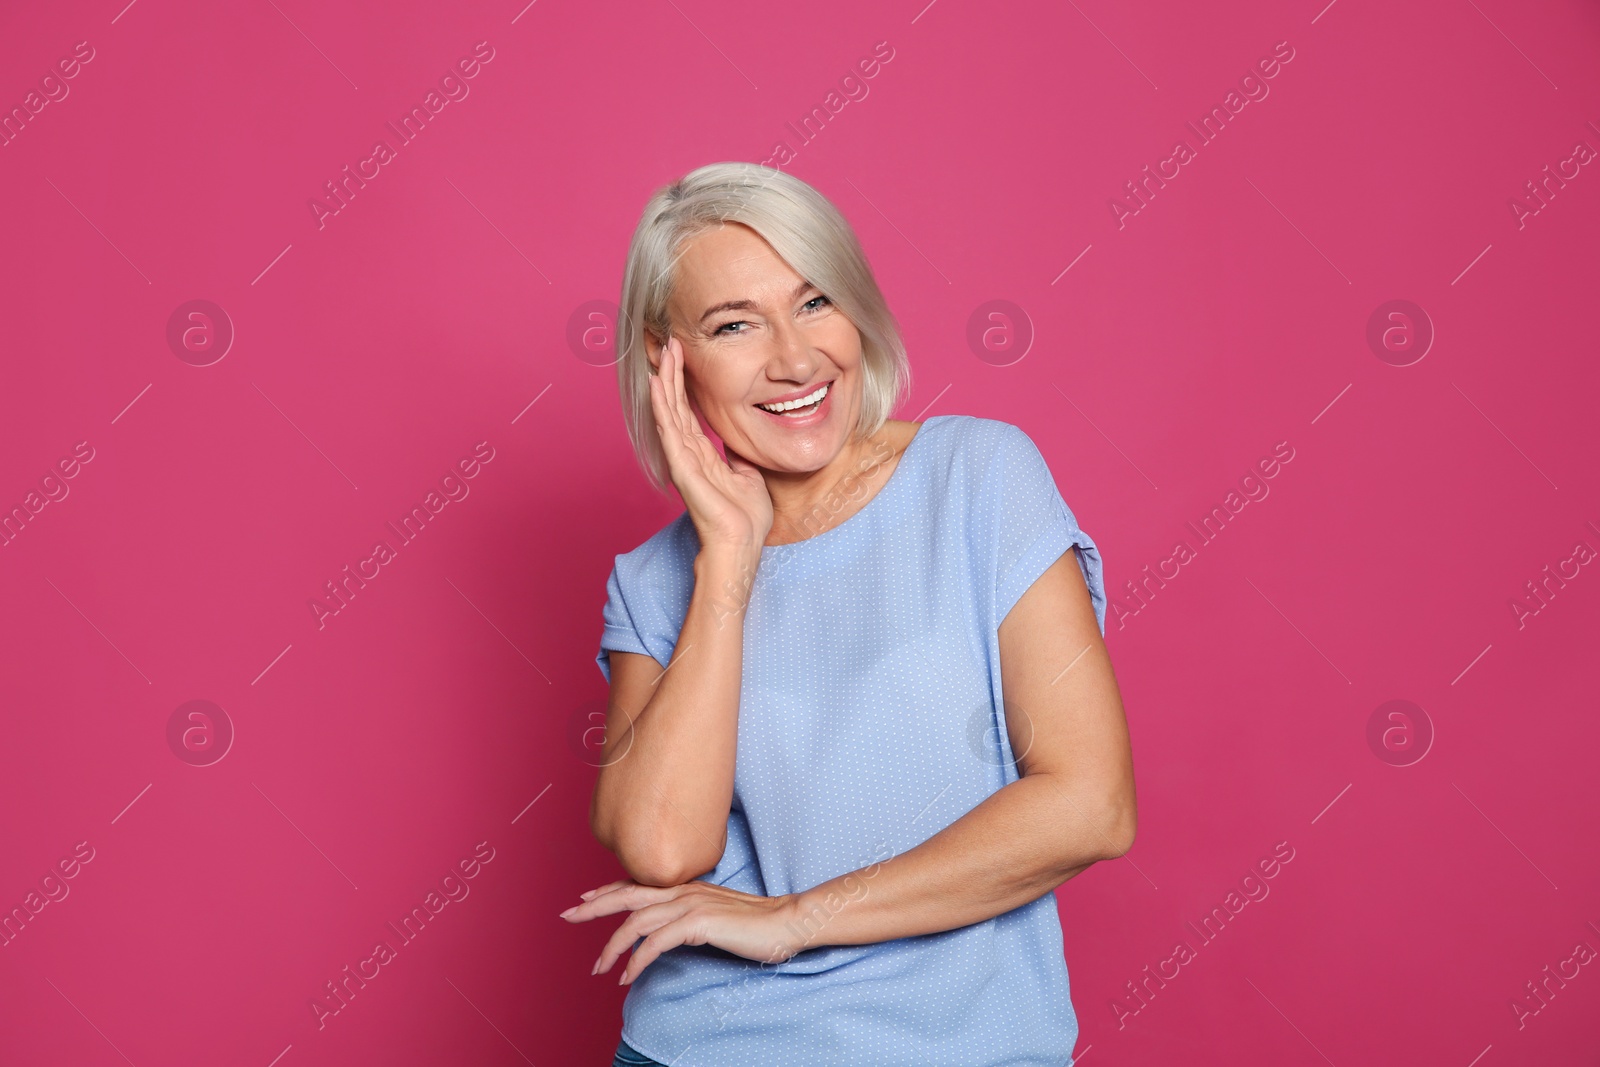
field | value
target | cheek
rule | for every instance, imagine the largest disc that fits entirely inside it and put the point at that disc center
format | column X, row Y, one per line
column 839, row 338
column 839, row 325
column 707, row 381
column 718, row 396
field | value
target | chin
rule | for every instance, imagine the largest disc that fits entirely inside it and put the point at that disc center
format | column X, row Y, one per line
column 800, row 450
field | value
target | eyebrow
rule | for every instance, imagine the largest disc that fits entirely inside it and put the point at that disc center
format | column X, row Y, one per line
column 745, row 305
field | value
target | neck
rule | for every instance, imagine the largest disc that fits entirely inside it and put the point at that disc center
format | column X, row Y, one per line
column 804, row 505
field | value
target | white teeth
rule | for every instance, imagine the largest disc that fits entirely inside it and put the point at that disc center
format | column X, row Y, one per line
column 803, row 402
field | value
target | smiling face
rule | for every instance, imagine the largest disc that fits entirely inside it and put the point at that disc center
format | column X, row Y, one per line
column 756, row 333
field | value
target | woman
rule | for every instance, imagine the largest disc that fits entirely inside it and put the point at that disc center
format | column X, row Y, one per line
column 862, row 721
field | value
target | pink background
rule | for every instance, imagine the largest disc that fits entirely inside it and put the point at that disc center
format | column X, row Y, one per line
column 438, row 709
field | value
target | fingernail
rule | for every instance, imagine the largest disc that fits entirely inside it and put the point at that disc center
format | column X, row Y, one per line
column 595, row 969
column 587, row 895
column 569, row 911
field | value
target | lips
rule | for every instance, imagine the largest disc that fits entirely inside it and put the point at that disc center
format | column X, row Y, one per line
column 798, row 401
column 801, row 418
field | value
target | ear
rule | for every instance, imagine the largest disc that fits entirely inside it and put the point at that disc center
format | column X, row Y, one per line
column 652, row 350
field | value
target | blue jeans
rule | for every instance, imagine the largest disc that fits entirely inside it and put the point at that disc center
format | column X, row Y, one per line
column 628, row 1056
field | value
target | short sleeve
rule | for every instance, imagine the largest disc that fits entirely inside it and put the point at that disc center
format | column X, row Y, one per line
column 1033, row 526
column 620, row 634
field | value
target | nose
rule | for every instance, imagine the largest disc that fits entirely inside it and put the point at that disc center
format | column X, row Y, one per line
column 792, row 358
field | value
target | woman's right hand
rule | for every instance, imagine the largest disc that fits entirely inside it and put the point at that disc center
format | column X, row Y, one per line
column 727, row 499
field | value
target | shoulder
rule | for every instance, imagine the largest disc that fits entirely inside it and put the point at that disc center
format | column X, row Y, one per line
column 648, row 593
column 665, row 560
column 994, row 468
column 978, row 467
column 974, row 445
column 972, row 430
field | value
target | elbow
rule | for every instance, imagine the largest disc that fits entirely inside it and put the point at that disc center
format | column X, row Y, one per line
column 657, row 872
column 1121, row 822
column 602, row 823
column 648, row 845
column 648, row 863
column 651, row 856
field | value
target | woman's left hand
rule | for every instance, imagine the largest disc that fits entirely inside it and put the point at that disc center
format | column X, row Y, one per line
column 694, row 913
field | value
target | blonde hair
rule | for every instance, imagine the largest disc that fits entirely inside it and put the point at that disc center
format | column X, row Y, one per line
column 804, row 229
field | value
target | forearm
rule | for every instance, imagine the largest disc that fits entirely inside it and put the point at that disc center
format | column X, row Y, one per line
column 666, row 780
column 1019, row 844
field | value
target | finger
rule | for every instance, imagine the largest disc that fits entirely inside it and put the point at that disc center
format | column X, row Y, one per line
column 667, row 423
column 629, row 897
column 608, row 887
column 680, row 395
column 604, row 904
column 661, row 396
column 688, row 449
column 598, row 891
column 669, row 382
column 658, row 405
column 641, row 923
column 683, row 416
column 666, row 418
column 668, row 936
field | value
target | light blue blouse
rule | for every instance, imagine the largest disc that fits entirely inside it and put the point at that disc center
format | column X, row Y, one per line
column 870, row 718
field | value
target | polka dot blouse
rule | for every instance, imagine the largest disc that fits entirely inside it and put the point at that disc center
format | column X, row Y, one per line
column 870, row 718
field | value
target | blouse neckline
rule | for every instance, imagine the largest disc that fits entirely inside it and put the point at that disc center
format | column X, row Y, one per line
column 767, row 551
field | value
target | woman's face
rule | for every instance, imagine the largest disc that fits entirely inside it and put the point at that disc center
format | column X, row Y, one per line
column 754, row 332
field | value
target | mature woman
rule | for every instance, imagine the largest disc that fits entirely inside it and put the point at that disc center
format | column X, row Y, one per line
column 862, row 720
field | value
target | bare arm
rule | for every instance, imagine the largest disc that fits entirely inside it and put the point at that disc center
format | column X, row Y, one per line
column 666, row 781
column 666, row 777
column 1073, row 806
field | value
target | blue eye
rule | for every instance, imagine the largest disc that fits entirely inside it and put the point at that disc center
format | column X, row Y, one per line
column 724, row 330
